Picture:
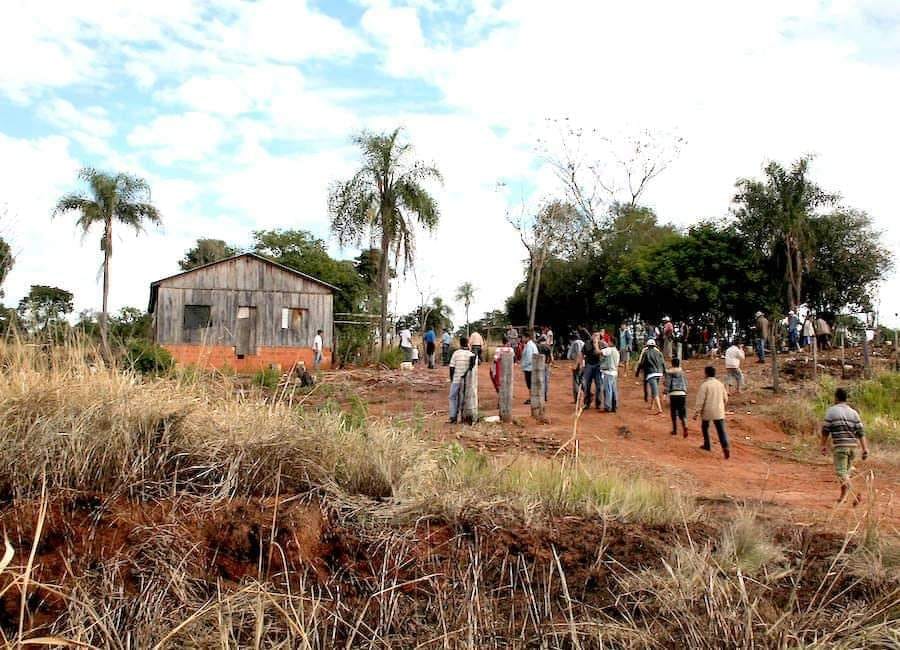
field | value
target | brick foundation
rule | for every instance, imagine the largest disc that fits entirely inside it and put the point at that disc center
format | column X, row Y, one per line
column 223, row 356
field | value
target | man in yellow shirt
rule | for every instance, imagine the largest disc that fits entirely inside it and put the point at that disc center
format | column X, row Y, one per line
column 711, row 400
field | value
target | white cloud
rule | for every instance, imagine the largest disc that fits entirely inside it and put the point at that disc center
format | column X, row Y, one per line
column 173, row 138
column 289, row 107
column 285, row 31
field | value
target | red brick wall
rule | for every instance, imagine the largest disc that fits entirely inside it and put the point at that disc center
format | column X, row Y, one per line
column 221, row 356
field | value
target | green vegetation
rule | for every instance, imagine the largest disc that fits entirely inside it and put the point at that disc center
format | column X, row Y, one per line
column 877, row 402
column 148, row 358
column 391, row 358
column 557, row 487
column 267, row 378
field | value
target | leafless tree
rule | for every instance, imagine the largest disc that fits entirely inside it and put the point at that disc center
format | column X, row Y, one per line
column 543, row 233
column 599, row 172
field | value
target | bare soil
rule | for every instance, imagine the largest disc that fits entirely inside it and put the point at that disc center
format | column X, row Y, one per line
column 781, row 473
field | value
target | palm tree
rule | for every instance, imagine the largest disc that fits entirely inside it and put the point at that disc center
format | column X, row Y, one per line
column 776, row 214
column 384, row 199
column 112, row 198
column 464, row 294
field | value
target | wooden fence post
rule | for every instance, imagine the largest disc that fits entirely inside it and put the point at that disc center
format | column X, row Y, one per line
column 470, row 399
column 867, row 371
column 815, row 351
column 507, row 359
column 537, row 385
column 774, row 357
column 843, row 357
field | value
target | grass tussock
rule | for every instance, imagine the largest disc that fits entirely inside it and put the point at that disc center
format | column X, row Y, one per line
column 556, row 487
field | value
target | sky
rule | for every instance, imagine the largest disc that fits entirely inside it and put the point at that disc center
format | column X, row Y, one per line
column 239, row 115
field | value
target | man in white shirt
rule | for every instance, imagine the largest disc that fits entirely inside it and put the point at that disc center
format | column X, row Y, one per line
column 733, row 357
column 406, row 343
column 317, row 350
column 528, row 354
column 461, row 363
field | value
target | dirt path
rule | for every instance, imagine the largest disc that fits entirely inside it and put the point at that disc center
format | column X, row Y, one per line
column 763, row 468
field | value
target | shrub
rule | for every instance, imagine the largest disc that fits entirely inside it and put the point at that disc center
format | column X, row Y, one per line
column 148, row 358
column 267, row 378
column 392, row 358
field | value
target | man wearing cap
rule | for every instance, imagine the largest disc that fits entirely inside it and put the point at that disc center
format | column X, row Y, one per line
column 762, row 335
column 653, row 366
column 793, row 325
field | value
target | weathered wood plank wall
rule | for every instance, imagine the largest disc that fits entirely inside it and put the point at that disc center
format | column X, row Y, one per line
column 244, row 282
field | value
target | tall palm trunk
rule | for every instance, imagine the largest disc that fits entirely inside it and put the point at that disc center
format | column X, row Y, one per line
column 104, row 313
column 384, row 281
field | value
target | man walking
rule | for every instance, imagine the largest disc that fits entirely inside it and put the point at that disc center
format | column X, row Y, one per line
column 528, row 353
column 609, row 369
column 843, row 426
column 793, row 325
column 653, row 366
column 461, row 363
column 406, row 344
column 430, row 338
column 317, row 350
column 591, row 356
column 445, row 347
column 574, row 354
column 711, row 400
column 625, row 347
column 512, row 334
column 676, row 390
column 476, row 342
column 762, row 335
column 733, row 357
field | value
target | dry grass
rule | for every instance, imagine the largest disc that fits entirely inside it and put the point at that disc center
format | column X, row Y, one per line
column 196, row 442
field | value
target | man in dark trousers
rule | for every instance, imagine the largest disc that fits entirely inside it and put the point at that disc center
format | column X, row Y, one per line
column 676, row 391
column 711, row 400
column 653, row 365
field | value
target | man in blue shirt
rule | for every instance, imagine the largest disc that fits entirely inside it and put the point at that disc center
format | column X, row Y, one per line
column 528, row 352
column 430, row 339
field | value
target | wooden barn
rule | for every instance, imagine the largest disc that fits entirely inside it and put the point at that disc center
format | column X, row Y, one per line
column 244, row 312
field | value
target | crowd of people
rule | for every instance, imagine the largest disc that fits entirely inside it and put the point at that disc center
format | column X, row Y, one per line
column 655, row 353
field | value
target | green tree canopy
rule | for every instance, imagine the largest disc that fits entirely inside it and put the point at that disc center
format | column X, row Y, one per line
column 301, row 250
column 206, row 251
column 847, row 261
column 774, row 216
column 6, row 262
column 45, row 307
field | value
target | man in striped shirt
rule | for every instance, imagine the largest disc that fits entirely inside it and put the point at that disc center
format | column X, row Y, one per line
column 843, row 426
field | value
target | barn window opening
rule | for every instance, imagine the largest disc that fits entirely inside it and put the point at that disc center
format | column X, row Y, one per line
column 292, row 318
column 197, row 317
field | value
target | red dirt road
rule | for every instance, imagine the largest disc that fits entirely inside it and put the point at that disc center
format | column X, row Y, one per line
column 765, row 468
